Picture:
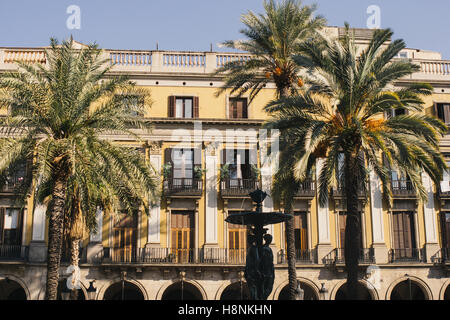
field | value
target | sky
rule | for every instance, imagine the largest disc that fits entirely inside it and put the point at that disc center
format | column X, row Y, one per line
column 192, row 25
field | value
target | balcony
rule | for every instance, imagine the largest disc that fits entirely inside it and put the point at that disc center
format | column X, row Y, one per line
column 403, row 189
column 413, row 255
column 337, row 257
column 183, row 188
column 215, row 256
column 301, row 256
column 238, row 188
column 442, row 257
column 12, row 253
column 306, row 190
column 11, row 184
column 339, row 192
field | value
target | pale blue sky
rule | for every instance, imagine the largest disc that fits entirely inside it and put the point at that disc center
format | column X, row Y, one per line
column 194, row 24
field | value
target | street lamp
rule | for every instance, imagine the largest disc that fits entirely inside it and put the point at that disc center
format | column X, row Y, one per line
column 65, row 292
column 323, row 292
column 91, row 291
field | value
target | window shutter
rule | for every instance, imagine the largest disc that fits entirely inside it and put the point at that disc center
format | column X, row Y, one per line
column 239, row 106
column 446, row 230
column 244, row 109
column 230, row 108
column 171, row 107
column 196, row 107
column 446, row 113
column 342, row 224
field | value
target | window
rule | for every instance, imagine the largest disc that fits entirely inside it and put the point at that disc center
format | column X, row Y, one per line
column 237, row 241
column 404, row 234
column 182, row 235
column 183, row 107
column 445, row 183
column 125, row 238
column 395, row 113
column 301, row 231
column 342, row 224
column 238, row 108
column 446, row 230
column 443, row 112
column 240, row 163
column 10, row 226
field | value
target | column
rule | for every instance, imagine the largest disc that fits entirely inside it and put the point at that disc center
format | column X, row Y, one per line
column 211, row 219
column 154, row 220
column 431, row 237
column 323, row 221
column 376, row 206
column 38, row 247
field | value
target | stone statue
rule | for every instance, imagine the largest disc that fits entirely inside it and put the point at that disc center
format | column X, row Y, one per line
column 267, row 268
column 252, row 273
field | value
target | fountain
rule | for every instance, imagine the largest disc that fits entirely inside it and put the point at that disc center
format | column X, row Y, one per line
column 259, row 269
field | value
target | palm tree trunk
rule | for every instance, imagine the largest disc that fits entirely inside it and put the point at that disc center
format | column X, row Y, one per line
column 352, row 232
column 290, row 250
column 74, row 260
column 55, row 235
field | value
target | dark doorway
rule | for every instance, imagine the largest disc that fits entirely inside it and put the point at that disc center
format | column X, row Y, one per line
column 310, row 294
column 123, row 290
column 182, row 291
column 363, row 292
column 236, row 291
column 11, row 290
column 407, row 290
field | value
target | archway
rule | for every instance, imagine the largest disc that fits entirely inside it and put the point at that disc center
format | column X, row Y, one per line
column 62, row 284
column 363, row 292
column 11, row 290
column 408, row 290
column 182, row 291
column 309, row 292
column 123, row 290
column 447, row 293
column 236, row 291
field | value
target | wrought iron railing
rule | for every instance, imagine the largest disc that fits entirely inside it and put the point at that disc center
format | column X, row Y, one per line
column 11, row 183
column 183, row 186
column 306, row 189
column 220, row 256
column 402, row 188
column 442, row 256
column 13, row 252
column 406, row 255
column 238, row 187
column 302, row 256
column 337, row 256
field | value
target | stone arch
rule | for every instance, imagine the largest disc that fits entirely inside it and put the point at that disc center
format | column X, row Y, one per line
column 104, row 288
column 19, row 281
column 417, row 281
column 445, row 291
column 193, row 283
column 366, row 284
column 309, row 283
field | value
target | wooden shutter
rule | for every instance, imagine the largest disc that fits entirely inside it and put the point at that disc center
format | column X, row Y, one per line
column 2, row 220
column 231, row 105
column 446, row 231
column 195, row 107
column 403, row 225
column 342, row 224
column 171, row 107
column 239, row 106
column 446, row 108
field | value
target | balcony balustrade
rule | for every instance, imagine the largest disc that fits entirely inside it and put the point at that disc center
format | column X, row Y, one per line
column 340, row 192
column 307, row 189
column 337, row 257
column 409, row 255
column 13, row 252
column 216, row 256
column 183, row 187
column 442, row 256
column 402, row 189
column 238, row 187
column 11, row 184
column 302, row 256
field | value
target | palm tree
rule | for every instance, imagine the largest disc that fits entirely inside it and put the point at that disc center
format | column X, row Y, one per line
column 58, row 118
column 272, row 39
column 340, row 117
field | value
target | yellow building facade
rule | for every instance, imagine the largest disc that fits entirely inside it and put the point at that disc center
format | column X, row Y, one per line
column 210, row 152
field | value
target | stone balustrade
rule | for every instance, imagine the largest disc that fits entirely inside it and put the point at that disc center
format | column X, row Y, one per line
column 188, row 62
